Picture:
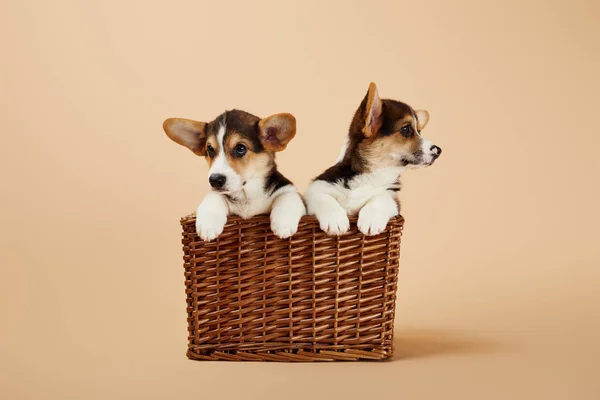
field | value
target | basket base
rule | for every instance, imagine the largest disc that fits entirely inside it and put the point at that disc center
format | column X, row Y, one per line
column 291, row 355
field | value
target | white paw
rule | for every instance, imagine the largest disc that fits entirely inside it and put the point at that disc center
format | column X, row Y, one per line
column 372, row 221
column 209, row 225
column 335, row 222
column 284, row 226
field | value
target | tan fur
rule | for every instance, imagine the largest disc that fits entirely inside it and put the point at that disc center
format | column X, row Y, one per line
column 212, row 141
column 422, row 118
column 408, row 120
column 188, row 133
column 373, row 112
column 252, row 164
column 277, row 130
column 384, row 151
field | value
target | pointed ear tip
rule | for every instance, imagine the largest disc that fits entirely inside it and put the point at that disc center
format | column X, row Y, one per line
column 168, row 122
column 279, row 117
column 167, row 125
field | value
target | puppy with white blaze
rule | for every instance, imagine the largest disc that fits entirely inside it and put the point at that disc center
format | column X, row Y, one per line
column 384, row 141
column 240, row 150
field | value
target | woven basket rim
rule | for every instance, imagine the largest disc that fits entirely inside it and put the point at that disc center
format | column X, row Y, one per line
column 265, row 218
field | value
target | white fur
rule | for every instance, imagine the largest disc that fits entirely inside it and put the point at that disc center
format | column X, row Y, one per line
column 211, row 216
column 332, row 203
column 428, row 155
column 285, row 204
column 343, row 151
column 321, row 200
column 374, row 216
column 360, row 189
column 251, row 200
column 286, row 212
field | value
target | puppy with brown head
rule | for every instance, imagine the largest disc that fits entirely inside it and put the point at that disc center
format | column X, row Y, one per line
column 384, row 141
column 240, row 150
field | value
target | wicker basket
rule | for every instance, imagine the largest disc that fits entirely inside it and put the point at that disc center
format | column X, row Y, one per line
column 254, row 297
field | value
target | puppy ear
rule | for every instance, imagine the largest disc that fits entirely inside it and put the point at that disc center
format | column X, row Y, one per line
column 276, row 131
column 422, row 118
column 373, row 112
column 188, row 133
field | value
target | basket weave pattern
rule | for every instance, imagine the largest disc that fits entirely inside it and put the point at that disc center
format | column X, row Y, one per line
column 252, row 296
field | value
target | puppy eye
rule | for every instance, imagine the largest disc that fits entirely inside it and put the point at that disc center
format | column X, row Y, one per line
column 406, row 131
column 210, row 151
column 240, row 150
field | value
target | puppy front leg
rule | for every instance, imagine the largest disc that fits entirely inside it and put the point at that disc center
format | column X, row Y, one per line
column 211, row 216
column 375, row 214
column 333, row 219
column 286, row 212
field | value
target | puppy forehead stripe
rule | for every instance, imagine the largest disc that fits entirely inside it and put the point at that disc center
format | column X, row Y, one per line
column 220, row 164
column 221, row 134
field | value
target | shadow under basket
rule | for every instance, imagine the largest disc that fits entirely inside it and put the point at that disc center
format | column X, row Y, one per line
column 252, row 296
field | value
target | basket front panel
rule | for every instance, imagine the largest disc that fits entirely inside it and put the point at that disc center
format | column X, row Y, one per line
column 249, row 292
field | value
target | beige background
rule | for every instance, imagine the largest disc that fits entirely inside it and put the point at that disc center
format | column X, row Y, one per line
column 500, row 266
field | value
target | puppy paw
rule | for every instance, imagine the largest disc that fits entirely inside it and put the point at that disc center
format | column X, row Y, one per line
column 371, row 221
column 287, row 210
column 284, row 227
column 209, row 225
column 335, row 222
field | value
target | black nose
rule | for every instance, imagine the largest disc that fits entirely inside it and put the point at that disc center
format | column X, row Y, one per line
column 436, row 151
column 217, row 180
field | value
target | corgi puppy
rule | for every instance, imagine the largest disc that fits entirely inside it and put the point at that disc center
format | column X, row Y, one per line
column 384, row 141
column 240, row 150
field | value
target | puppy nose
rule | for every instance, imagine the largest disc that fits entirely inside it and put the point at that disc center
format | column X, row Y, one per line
column 436, row 151
column 217, row 180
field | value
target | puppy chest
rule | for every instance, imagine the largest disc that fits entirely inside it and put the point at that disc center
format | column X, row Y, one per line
column 361, row 190
column 247, row 208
